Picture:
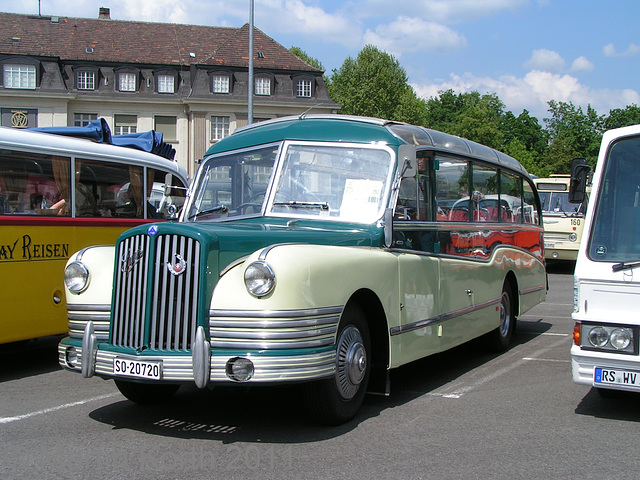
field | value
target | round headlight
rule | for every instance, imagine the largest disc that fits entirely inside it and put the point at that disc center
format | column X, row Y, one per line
column 259, row 279
column 598, row 337
column 573, row 237
column 620, row 338
column 76, row 277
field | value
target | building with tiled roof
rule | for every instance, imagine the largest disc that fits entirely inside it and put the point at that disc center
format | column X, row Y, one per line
column 188, row 81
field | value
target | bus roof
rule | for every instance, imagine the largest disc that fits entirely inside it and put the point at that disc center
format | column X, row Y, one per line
column 53, row 144
column 354, row 129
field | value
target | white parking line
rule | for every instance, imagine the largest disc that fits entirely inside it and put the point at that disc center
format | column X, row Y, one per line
column 553, row 360
column 53, row 409
column 459, row 392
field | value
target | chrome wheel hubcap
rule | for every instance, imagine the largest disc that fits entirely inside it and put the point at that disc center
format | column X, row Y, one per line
column 351, row 362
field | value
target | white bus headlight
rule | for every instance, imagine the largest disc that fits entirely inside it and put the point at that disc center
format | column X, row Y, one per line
column 573, row 237
column 76, row 277
column 608, row 338
column 259, row 279
column 598, row 337
column 620, row 338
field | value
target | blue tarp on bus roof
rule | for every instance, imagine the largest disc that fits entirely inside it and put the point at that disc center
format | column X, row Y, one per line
column 99, row 131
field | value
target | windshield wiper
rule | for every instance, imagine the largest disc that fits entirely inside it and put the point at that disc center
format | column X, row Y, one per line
column 625, row 266
column 219, row 208
column 296, row 204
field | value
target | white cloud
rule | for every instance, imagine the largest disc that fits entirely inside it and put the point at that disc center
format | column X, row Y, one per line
column 546, row 60
column 294, row 16
column 441, row 11
column 610, row 51
column 407, row 34
column 581, row 64
column 533, row 92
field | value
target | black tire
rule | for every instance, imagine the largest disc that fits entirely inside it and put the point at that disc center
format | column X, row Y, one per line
column 146, row 393
column 498, row 340
column 336, row 400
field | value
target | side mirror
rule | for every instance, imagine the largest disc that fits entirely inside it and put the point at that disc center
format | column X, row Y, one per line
column 580, row 171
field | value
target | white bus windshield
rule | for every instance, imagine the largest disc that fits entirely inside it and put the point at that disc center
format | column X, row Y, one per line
column 615, row 231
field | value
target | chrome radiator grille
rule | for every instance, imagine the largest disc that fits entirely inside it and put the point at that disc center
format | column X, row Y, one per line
column 169, row 278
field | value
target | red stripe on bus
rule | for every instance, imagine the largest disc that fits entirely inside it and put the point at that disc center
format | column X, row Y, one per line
column 73, row 222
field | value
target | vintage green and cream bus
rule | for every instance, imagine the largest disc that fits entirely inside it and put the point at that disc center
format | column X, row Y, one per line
column 563, row 220
column 60, row 193
column 320, row 250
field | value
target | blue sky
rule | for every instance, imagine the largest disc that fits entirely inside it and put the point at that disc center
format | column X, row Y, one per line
column 525, row 51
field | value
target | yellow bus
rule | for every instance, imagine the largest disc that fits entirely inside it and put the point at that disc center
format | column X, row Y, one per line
column 59, row 194
column 563, row 221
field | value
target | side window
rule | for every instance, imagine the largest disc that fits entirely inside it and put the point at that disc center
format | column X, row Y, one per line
column 32, row 184
column 484, row 199
column 452, row 190
column 164, row 203
column 510, row 198
column 414, row 196
column 531, row 214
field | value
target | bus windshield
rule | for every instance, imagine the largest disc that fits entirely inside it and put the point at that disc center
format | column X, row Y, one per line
column 339, row 182
column 615, row 231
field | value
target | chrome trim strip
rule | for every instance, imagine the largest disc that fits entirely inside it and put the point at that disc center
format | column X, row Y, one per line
column 441, row 318
column 233, row 264
column 179, row 368
column 265, row 251
column 526, row 291
column 89, row 308
column 83, row 251
column 310, row 312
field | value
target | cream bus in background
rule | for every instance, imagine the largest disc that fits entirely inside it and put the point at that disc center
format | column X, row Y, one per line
column 563, row 220
column 605, row 352
column 59, row 194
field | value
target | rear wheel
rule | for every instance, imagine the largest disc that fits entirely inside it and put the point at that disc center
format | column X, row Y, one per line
column 146, row 393
column 337, row 399
column 500, row 338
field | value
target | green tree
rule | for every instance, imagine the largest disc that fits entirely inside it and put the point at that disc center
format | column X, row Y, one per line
column 375, row 85
column 572, row 133
column 622, row 117
column 469, row 115
column 302, row 55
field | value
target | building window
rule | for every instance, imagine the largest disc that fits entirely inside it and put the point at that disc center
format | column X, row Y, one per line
column 20, row 76
column 219, row 128
column 127, row 82
column 85, row 80
column 125, row 124
column 221, row 84
column 262, row 86
column 167, row 126
column 83, row 119
column 303, row 88
column 166, row 84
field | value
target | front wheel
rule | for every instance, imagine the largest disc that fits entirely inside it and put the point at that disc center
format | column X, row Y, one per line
column 499, row 339
column 337, row 399
column 146, row 393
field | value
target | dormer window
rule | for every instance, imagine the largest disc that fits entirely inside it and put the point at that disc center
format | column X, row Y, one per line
column 263, row 85
column 165, row 81
column 20, row 73
column 127, row 82
column 128, row 79
column 86, row 78
column 221, row 82
column 304, row 86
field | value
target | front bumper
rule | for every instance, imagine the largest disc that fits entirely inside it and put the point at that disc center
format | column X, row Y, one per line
column 584, row 364
column 201, row 365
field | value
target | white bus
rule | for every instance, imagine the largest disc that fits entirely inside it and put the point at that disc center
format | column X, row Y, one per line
column 563, row 220
column 604, row 353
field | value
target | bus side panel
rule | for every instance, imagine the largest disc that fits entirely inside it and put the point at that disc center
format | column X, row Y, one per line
column 32, row 262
